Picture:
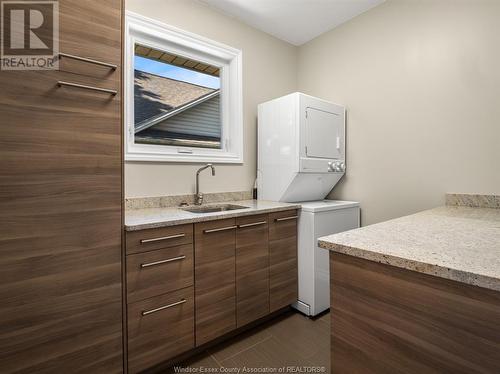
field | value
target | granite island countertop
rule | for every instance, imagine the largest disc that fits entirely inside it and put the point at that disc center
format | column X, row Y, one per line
column 139, row 219
column 454, row 242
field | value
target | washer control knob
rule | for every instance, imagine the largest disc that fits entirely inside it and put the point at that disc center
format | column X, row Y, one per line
column 336, row 166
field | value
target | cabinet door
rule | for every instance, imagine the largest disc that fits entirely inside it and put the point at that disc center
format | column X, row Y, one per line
column 215, row 281
column 283, row 285
column 61, row 212
column 252, row 268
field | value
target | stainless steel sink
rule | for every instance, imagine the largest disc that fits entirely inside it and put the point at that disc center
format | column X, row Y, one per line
column 214, row 208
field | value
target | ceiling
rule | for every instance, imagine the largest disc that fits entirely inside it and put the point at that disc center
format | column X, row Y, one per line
column 294, row 21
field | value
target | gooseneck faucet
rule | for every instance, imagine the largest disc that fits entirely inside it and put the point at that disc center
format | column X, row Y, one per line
column 198, row 200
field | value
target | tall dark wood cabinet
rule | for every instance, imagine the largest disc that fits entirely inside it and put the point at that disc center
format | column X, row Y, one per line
column 61, row 203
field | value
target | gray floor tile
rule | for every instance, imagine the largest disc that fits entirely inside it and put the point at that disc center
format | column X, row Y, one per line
column 302, row 335
column 291, row 340
column 240, row 343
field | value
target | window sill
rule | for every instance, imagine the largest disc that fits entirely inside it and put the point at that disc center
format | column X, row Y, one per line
column 185, row 157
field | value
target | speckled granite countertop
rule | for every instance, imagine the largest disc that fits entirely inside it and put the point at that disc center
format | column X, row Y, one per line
column 139, row 219
column 453, row 242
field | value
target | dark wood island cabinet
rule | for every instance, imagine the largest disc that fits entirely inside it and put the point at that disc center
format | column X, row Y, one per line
column 412, row 295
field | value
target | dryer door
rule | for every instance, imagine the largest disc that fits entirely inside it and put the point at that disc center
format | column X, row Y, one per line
column 324, row 134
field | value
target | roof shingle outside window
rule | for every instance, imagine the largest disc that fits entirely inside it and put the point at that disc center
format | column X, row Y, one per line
column 155, row 95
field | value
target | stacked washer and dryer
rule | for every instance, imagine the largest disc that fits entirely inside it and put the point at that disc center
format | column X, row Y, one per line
column 301, row 156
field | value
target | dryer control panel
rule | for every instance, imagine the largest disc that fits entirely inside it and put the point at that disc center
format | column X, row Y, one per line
column 301, row 150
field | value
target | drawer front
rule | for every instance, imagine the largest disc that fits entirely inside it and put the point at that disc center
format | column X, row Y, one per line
column 252, row 268
column 160, row 328
column 282, row 224
column 283, row 274
column 215, row 279
column 157, row 272
column 151, row 239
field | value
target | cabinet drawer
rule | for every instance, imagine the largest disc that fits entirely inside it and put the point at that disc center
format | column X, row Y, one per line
column 157, row 272
column 256, row 222
column 282, row 224
column 160, row 328
column 151, row 239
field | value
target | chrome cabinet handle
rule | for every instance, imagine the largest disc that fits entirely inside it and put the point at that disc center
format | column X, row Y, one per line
column 162, row 261
column 146, row 312
column 286, row 218
column 89, row 60
column 252, row 224
column 221, row 229
column 162, row 238
column 85, row 87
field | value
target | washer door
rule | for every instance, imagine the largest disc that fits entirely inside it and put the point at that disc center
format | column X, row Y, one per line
column 323, row 134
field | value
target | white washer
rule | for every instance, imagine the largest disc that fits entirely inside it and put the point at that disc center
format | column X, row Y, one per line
column 316, row 219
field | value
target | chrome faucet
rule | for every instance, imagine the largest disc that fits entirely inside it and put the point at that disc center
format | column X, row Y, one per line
column 198, row 199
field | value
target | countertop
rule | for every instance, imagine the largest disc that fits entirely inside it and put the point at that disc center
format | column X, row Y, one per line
column 453, row 242
column 139, row 219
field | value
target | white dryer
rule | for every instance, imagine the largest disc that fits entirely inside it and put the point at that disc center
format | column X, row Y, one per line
column 316, row 219
column 301, row 151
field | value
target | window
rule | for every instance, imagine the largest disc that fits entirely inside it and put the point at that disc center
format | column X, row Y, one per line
column 182, row 96
column 176, row 100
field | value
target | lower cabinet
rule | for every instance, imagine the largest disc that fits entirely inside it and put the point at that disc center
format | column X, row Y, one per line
column 190, row 284
column 160, row 295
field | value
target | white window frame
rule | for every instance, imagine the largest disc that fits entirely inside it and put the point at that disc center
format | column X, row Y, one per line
column 154, row 34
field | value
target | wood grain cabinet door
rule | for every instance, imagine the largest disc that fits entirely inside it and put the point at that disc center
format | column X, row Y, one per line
column 215, row 281
column 283, row 275
column 252, row 268
column 61, row 209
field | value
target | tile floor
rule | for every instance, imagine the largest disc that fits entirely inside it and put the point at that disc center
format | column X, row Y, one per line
column 288, row 341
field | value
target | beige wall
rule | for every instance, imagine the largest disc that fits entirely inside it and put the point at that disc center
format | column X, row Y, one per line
column 421, row 82
column 269, row 71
